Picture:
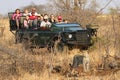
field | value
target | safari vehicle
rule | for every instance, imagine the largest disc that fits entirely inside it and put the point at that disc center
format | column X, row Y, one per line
column 58, row 36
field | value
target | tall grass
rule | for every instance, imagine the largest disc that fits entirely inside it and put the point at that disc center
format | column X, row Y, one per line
column 16, row 63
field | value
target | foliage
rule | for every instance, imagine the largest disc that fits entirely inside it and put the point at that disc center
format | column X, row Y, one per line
column 76, row 11
column 38, row 66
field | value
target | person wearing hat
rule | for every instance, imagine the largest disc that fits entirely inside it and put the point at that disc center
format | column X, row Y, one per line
column 45, row 23
column 60, row 19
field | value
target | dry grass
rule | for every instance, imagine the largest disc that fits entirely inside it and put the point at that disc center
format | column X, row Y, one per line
column 18, row 64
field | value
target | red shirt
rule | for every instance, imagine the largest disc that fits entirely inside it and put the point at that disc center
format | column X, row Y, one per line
column 33, row 17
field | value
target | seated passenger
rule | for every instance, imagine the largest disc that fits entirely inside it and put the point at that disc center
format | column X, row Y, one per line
column 52, row 18
column 26, row 22
column 60, row 19
column 16, row 16
column 26, row 13
column 65, row 21
column 33, row 12
column 45, row 23
column 33, row 18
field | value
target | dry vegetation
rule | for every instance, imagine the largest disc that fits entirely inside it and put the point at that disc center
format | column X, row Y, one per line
column 16, row 63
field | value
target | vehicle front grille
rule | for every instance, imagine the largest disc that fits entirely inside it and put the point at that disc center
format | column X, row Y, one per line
column 82, row 37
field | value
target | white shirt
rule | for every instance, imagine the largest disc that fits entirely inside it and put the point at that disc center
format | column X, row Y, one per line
column 45, row 24
column 36, row 14
column 26, row 14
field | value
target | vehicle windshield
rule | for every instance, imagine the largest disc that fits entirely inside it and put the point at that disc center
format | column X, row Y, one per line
column 69, row 26
column 72, row 28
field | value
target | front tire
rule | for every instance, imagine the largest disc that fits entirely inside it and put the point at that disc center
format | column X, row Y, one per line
column 60, row 47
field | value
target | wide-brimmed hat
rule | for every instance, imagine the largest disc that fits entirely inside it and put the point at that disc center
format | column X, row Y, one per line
column 45, row 17
column 38, row 15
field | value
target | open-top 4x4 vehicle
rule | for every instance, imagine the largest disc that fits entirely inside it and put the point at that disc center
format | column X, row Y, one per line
column 58, row 36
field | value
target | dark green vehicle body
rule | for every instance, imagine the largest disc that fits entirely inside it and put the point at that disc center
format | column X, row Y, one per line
column 69, row 34
column 38, row 37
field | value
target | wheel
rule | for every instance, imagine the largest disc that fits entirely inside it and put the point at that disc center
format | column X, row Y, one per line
column 26, row 41
column 60, row 47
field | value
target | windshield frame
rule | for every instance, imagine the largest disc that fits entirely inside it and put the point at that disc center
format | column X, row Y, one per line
column 67, row 27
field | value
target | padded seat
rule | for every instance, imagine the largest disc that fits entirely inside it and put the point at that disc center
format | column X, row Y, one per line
column 22, row 18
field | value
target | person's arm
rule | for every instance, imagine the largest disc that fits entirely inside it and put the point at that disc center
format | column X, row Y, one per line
column 20, row 14
column 32, row 17
column 16, row 16
column 49, row 25
column 13, row 16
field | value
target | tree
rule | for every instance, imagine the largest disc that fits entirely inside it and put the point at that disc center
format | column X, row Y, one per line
column 39, row 8
column 114, row 12
column 76, row 10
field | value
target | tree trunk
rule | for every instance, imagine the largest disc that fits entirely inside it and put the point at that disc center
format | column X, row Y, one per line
column 68, row 4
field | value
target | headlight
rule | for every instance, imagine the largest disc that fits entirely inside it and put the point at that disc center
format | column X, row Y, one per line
column 70, row 35
column 88, row 35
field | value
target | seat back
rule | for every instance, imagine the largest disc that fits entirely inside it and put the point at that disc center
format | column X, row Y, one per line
column 22, row 18
column 10, row 15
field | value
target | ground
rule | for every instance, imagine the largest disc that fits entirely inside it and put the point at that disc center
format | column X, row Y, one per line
column 16, row 63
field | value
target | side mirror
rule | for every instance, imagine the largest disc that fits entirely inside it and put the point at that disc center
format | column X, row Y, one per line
column 92, row 30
